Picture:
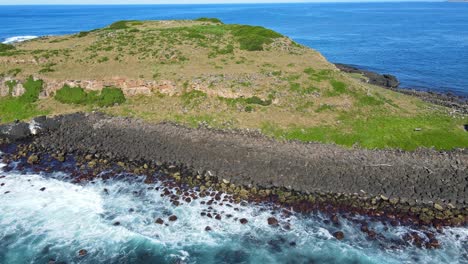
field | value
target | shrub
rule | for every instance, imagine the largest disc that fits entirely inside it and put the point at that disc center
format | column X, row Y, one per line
column 82, row 34
column 47, row 68
column 77, row 95
column 33, row 89
column 252, row 38
column 207, row 19
column 119, row 25
column 14, row 72
column 257, row 100
column 71, row 95
column 110, row 96
column 6, row 47
column 103, row 59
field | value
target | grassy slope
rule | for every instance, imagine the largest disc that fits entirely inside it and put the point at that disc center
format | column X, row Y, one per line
column 249, row 77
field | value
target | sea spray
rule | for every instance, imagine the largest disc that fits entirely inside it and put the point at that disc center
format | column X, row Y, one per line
column 17, row 39
column 47, row 217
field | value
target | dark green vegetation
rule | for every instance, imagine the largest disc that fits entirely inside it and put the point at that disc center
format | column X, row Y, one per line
column 248, row 103
column 253, row 38
column 109, row 96
column 6, row 47
column 207, row 19
column 22, row 107
column 193, row 98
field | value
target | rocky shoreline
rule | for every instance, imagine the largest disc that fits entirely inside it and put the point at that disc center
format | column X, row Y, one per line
column 425, row 187
column 457, row 103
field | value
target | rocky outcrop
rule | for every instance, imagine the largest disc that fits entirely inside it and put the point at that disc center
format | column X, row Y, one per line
column 459, row 104
column 16, row 90
column 129, row 87
column 385, row 80
column 426, row 176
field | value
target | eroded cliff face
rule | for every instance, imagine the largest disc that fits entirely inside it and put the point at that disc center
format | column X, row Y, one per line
column 11, row 86
column 129, row 87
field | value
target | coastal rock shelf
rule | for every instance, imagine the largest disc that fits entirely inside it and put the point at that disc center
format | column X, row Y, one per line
column 408, row 181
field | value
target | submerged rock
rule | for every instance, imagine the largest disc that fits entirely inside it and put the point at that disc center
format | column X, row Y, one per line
column 82, row 252
column 33, row 159
column 339, row 235
column 272, row 221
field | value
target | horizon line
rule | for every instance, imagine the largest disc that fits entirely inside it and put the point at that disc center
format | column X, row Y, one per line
column 237, row 3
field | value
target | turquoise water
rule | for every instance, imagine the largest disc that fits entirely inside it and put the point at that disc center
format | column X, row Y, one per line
column 424, row 44
column 56, row 223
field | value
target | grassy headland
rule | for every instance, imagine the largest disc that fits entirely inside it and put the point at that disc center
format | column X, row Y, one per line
column 224, row 76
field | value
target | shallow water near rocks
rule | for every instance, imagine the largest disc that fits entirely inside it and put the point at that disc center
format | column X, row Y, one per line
column 114, row 221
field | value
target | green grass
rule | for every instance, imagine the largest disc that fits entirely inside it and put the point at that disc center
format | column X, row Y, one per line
column 33, row 89
column 22, row 107
column 380, row 131
column 14, row 108
column 338, row 87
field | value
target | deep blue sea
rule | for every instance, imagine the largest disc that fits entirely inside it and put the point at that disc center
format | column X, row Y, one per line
column 424, row 44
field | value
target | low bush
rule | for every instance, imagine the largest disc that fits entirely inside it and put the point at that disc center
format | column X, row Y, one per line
column 252, row 38
column 82, row 34
column 77, row 95
column 254, row 100
column 110, row 96
column 6, row 47
column 258, row 101
column 71, row 95
column 119, row 25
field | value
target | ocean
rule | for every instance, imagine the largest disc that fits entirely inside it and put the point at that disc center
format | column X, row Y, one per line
column 424, row 44
column 49, row 217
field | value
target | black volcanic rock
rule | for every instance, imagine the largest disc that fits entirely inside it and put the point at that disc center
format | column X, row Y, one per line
column 385, row 80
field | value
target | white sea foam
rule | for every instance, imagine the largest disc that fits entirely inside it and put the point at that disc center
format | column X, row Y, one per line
column 18, row 39
column 66, row 217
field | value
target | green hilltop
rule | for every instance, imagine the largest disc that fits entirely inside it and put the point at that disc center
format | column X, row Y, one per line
column 205, row 72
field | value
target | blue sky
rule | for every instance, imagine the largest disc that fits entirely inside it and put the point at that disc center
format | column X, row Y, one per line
column 27, row 2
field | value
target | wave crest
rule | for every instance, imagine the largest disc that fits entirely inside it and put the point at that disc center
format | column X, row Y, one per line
column 18, row 39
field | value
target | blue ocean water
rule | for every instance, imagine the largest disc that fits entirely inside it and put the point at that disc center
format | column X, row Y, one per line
column 424, row 44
